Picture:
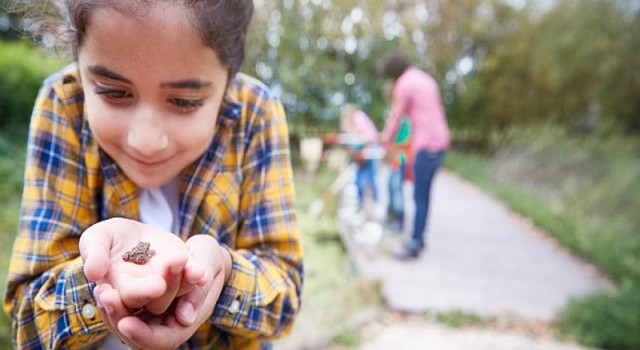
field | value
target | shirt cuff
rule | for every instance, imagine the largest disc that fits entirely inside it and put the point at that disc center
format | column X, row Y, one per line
column 85, row 321
column 241, row 306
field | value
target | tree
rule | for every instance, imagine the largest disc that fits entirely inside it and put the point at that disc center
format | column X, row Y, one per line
column 499, row 62
column 9, row 21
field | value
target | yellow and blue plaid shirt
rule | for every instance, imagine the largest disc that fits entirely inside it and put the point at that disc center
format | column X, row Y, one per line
column 240, row 191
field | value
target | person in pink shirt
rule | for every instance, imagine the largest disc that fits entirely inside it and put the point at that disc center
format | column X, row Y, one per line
column 364, row 134
column 415, row 94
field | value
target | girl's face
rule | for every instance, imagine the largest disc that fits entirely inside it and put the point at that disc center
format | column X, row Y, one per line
column 152, row 90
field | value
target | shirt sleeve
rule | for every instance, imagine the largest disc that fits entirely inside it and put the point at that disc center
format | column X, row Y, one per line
column 262, row 295
column 365, row 127
column 48, row 298
column 399, row 106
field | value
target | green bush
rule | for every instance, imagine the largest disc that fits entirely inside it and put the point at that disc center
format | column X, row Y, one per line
column 607, row 320
column 23, row 70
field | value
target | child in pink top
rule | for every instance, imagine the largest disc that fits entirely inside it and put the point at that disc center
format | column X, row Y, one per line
column 364, row 135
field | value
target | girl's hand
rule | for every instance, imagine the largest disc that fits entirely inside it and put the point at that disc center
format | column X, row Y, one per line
column 217, row 262
column 170, row 272
column 175, row 327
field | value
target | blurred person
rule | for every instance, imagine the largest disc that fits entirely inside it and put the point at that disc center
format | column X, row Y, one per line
column 415, row 94
column 400, row 171
column 362, row 138
column 398, row 159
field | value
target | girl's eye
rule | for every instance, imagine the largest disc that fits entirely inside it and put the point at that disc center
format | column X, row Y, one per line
column 185, row 104
column 112, row 94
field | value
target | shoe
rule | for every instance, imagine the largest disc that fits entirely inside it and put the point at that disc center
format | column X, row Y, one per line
column 394, row 227
column 406, row 254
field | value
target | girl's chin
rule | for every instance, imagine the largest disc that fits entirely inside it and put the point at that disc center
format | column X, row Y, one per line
column 147, row 181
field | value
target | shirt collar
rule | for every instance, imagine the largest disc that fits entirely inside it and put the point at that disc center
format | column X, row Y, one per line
column 231, row 107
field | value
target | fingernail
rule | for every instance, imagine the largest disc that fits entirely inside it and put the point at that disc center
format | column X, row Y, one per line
column 188, row 312
column 176, row 269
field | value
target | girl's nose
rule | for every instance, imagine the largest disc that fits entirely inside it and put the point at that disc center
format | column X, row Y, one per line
column 147, row 140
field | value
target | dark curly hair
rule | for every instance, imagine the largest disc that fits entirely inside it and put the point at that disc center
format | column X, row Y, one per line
column 222, row 24
column 393, row 64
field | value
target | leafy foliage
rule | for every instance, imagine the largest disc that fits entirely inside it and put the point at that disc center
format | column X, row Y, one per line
column 499, row 64
column 9, row 21
column 23, row 70
column 607, row 320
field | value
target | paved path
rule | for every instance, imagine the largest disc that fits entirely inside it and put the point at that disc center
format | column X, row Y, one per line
column 426, row 335
column 482, row 258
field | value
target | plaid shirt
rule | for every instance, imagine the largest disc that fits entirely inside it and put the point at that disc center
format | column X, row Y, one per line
column 240, row 191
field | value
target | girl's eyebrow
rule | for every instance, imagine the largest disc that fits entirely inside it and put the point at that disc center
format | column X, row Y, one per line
column 192, row 84
column 107, row 73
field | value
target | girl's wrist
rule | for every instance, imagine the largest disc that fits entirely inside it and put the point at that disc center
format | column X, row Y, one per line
column 227, row 264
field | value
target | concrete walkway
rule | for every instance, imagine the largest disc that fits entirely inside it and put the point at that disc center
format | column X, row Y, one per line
column 432, row 336
column 482, row 258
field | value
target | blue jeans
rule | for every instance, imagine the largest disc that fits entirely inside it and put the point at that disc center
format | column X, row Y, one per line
column 396, row 199
column 366, row 177
column 426, row 165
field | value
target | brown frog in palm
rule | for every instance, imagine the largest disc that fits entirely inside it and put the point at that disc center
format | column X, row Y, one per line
column 139, row 254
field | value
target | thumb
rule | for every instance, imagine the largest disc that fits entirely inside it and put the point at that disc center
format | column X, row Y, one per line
column 94, row 249
column 95, row 246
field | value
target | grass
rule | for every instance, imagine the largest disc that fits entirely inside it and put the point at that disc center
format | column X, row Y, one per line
column 459, row 319
column 582, row 190
column 332, row 299
column 348, row 338
column 607, row 320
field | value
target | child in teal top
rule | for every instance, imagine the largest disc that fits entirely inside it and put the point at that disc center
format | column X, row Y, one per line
column 398, row 159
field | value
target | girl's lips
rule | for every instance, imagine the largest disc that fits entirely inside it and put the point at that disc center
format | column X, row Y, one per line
column 148, row 164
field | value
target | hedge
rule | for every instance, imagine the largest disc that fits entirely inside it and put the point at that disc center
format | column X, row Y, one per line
column 23, row 68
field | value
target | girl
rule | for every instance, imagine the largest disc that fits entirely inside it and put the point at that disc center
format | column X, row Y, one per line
column 359, row 126
column 158, row 200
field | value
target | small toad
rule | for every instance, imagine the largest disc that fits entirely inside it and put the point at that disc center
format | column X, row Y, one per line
column 139, row 254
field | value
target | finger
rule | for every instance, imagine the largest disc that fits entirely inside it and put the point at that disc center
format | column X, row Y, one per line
column 153, row 335
column 107, row 323
column 206, row 250
column 114, row 310
column 113, row 305
column 111, row 327
column 98, row 290
column 139, row 291
column 161, row 304
column 174, row 261
column 194, row 273
column 201, row 248
column 186, row 312
column 171, row 267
